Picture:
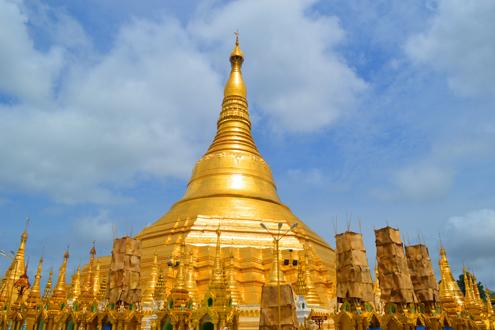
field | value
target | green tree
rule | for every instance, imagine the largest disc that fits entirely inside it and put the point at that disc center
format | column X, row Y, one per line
column 481, row 287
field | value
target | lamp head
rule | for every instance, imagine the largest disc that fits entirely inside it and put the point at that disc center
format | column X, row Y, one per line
column 294, row 225
column 280, row 225
column 263, row 226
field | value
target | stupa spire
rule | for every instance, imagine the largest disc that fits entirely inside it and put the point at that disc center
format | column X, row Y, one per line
column 191, row 284
column 489, row 306
column 48, row 287
column 76, row 284
column 180, row 279
column 60, row 290
column 311, row 296
column 35, row 293
column 150, row 288
column 232, row 283
column 218, row 278
column 300, row 288
column 450, row 295
column 234, row 125
column 88, row 288
column 97, row 281
column 217, row 290
column 15, row 270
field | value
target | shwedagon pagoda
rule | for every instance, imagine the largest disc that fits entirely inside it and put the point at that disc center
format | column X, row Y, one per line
column 231, row 255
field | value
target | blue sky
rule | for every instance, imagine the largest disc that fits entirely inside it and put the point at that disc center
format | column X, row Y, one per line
column 380, row 112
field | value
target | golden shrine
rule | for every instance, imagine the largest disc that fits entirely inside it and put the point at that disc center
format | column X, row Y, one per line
column 231, row 255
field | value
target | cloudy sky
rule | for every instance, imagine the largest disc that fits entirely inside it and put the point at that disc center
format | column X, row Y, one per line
column 371, row 112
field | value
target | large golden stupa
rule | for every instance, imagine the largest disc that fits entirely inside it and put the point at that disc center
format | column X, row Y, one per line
column 232, row 188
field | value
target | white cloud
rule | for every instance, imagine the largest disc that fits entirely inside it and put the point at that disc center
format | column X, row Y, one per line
column 423, row 181
column 469, row 240
column 295, row 74
column 24, row 72
column 98, row 227
column 459, row 42
column 137, row 111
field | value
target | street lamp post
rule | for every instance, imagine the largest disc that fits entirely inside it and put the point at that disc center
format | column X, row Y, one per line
column 277, row 236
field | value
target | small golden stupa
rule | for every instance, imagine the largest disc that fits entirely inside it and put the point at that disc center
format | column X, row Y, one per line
column 232, row 188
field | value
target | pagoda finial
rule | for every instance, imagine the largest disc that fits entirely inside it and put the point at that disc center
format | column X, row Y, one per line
column 60, row 290
column 311, row 296
column 301, row 289
column 180, row 279
column 159, row 293
column 450, row 295
column 191, row 284
column 97, row 281
column 147, row 298
column 489, row 306
column 35, row 293
column 235, row 85
column 48, row 287
column 218, row 287
column 76, row 284
column 232, row 283
column 16, row 269
column 218, row 273
column 88, row 287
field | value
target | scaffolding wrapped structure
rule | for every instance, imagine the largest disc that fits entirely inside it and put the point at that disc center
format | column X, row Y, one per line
column 422, row 275
column 125, row 271
column 393, row 272
column 353, row 273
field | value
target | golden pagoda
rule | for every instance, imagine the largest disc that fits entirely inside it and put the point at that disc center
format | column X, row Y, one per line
column 232, row 188
column 450, row 296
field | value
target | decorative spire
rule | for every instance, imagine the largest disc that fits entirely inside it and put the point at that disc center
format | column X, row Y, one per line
column 178, row 294
column 377, row 291
column 191, row 285
column 235, row 85
column 217, row 290
column 87, row 290
column 76, row 284
column 147, row 298
column 218, row 275
column 450, row 295
column 234, row 125
column 97, row 282
column 180, row 279
column 469, row 298
column 34, row 298
column 489, row 306
column 476, row 291
column 60, row 291
column 312, row 297
column 159, row 293
column 15, row 271
column 301, row 289
column 232, row 283
column 48, row 287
